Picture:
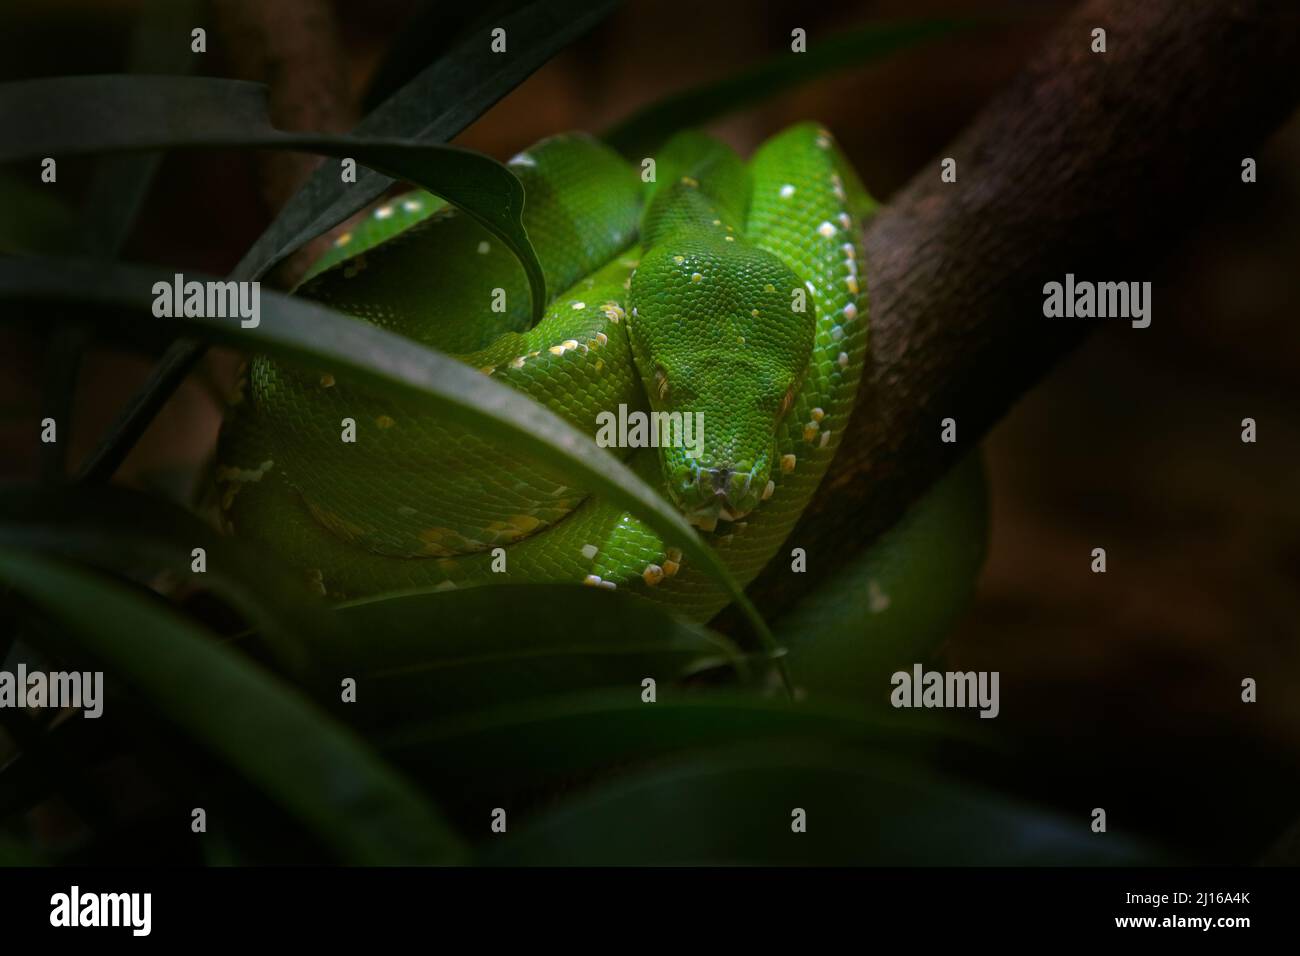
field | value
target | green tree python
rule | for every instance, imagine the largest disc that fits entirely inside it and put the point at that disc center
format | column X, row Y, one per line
column 728, row 293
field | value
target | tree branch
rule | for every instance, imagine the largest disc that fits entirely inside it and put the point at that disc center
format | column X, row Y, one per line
column 1090, row 163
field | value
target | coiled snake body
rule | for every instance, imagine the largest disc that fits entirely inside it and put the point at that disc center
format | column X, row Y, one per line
column 729, row 292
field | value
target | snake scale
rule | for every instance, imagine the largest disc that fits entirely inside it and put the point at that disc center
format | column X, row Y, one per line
column 729, row 291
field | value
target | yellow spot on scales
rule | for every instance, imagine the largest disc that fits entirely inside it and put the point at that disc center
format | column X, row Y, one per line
column 327, row 380
column 440, row 542
column 384, row 422
column 787, row 463
column 652, row 574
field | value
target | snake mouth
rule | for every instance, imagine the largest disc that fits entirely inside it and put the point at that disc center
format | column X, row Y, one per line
column 718, row 494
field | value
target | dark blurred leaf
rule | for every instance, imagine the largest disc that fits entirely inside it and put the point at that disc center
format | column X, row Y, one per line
column 892, row 605
column 74, row 115
column 22, row 785
column 645, row 130
column 539, row 744
column 316, row 769
column 432, row 32
column 14, row 853
column 736, row 806
column 298, row 330
column 123, row 530
column 35, row 219
column 432, row 654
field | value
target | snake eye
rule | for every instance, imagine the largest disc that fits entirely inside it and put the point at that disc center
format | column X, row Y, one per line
column 661, row 382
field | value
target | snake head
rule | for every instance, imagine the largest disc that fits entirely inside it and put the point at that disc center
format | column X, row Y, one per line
column 717, row 342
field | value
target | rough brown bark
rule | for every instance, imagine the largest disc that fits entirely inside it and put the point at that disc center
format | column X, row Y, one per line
column 1089, row 163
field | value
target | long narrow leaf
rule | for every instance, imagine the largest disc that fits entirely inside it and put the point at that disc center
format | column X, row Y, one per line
column 432, row 108
column 122, row 530
column 537, row 744
column 432, row 654
column 739, row 806
column 313, row 767
column 79, row 115
column 299, row 330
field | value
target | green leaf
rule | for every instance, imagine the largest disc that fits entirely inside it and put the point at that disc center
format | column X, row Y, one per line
column 538, row 745
column 509, row 643
column 301, row 331
column 892, row 605
column 641, row 133
column 433, row 107
column 75, row 115
column 314, row 768
column 123, row 530
column 736, row 807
